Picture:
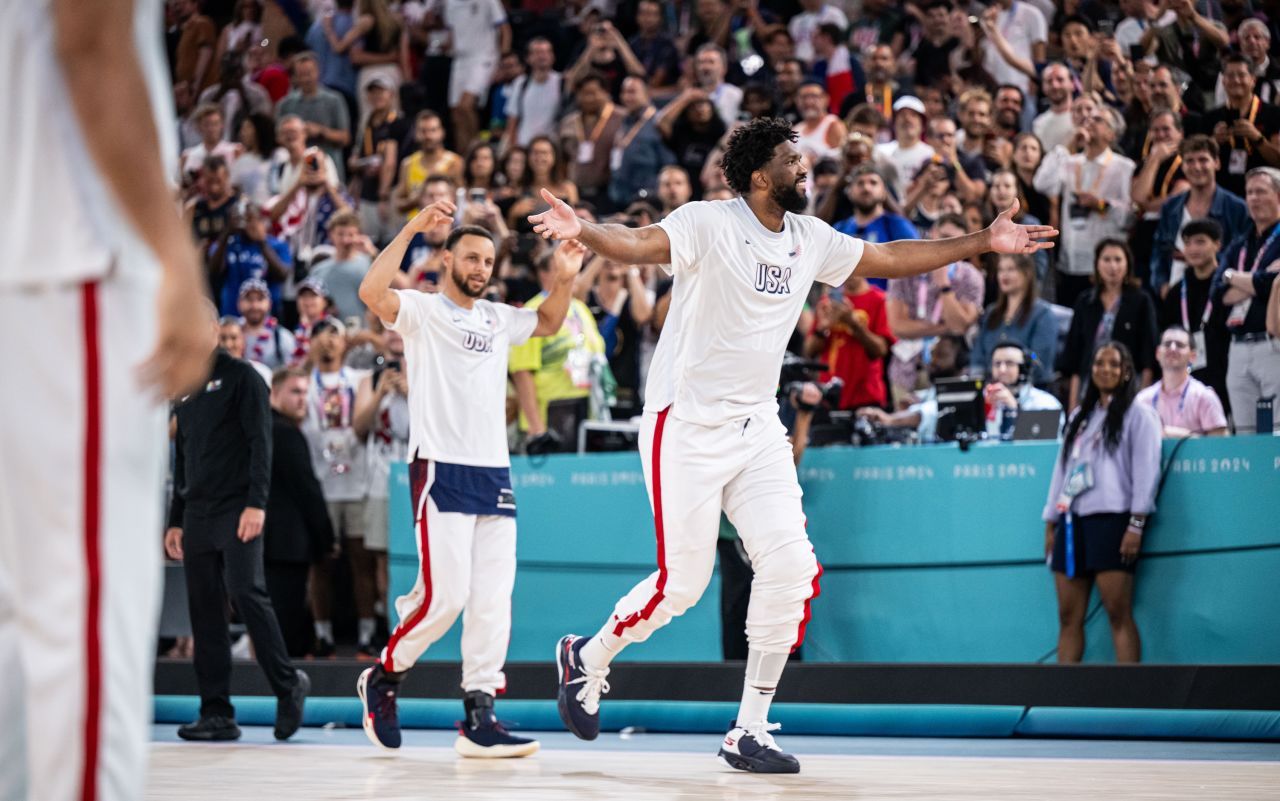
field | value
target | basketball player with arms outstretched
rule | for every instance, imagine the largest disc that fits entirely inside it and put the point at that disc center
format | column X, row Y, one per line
column 710, row 437
column 100, row 314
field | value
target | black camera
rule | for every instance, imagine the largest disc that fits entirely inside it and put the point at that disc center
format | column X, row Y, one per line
column 796, row 372
column 869, row 432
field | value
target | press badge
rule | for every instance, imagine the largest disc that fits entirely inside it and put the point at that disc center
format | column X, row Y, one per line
column 1238, row 162
column 615, row 159
column 1079, row 480
column 586, row 151
column 1202, row 356
column 1238, row 312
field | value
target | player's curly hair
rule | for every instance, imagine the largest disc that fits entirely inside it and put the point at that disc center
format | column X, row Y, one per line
column 750, row 148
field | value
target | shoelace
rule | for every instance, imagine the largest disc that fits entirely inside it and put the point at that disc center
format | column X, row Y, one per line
column 760, row 733
column 594, row 685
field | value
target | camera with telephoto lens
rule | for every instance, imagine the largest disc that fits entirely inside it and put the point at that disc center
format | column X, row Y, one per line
column 796, row 372
column 869, row 432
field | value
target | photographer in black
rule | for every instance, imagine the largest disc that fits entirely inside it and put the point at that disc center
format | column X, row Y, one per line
column 875, row 426
column 222, row 477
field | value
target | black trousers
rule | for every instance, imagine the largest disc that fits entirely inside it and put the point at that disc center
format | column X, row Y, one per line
column 287, row 586
column 230, row 571
column 735, row 596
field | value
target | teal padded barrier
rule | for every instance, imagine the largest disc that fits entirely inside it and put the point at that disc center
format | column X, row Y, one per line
column 865, row 720
column 1176, row 724
column 931, row 555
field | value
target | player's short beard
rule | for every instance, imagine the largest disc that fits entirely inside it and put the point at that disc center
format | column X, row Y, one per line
column 460, row 281
column 789, row 198
column 866, row 208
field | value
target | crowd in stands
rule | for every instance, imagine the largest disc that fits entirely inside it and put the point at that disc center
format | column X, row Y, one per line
column 1145, row 130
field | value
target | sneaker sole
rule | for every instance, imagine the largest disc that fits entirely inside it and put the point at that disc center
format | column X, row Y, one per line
column 739, row 762
column 365, row 717
column 562, row 696
column 214, row 738
column 466, row 748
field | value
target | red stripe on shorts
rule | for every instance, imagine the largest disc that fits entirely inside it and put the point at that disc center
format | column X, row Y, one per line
column 645, row 613
column 804, row 621
column 92, row 533
column 418, row 479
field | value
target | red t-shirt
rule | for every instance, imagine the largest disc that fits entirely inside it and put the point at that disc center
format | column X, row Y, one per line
column 863, row 377
column 275, row 79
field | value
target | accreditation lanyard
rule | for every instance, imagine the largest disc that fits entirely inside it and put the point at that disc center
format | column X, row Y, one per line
column 1097, row 179
column 1204, row 317
column 886, row 100
column 922, row 296
column 1068, row 522
column 599, row 126
column 1182, row 400
column 1254, row 104
column 1262, row 249
column 623, row 141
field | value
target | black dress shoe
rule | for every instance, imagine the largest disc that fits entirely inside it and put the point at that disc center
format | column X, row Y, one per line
column 289, row 707
column 210, row 729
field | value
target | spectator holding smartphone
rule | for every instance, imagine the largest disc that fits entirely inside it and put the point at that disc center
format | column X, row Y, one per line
column 851, row 335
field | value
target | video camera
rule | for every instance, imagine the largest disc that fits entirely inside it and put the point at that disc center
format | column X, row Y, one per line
column 797, row 371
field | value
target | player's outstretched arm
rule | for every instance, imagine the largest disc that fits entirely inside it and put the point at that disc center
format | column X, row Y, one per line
column 648, row 245
column 905, row 258
column 375, row 289
column 566, row 262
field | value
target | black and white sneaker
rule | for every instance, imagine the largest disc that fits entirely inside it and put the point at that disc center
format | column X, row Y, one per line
column 579, row 690
column 483, row 736
column 751, row 748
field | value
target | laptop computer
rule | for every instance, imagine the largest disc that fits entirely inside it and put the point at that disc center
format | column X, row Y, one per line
column 1041, row 424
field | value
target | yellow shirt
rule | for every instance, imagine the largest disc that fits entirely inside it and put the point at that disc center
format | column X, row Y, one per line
column 559, row 362
column 417, row 170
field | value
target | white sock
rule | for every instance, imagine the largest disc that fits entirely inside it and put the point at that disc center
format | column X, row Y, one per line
column 600, row 650
column 324, row 630
column 366, row 627
column 763, row 673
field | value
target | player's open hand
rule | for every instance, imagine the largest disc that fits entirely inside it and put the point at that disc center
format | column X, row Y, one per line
column 437, row 213
column 183, row 354
column 1009, row 237
column 567, row 259
column 558, row 222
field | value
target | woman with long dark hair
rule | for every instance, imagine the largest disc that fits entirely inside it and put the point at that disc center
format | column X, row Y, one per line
column 546, row 169
column 1017, row 315
column 1116, row 308
column 1103, row 489
column 480, row 168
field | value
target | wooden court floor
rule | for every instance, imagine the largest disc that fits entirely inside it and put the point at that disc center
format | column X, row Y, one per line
column 339, row 765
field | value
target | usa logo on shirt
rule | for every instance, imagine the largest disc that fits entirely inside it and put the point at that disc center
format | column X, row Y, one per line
column 478, row 343
column 772, row 280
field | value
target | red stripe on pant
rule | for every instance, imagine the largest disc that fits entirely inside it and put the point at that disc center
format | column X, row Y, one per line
column 418, row 480
column 644, row 613
column 804, row 621
column 92, row 533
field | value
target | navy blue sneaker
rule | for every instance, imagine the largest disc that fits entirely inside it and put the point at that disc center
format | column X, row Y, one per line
column 483, row 736
column 579, row 705
column 751, row 748
column 378, row 695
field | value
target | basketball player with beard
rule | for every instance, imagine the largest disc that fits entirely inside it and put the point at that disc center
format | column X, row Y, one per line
column 455, row 364
column 710, row 437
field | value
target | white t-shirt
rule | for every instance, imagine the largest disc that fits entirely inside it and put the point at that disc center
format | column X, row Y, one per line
column 60, row 222
column 805, row 24
column 1022, row 25
column 474, row 25
column 1053, row 128
column 337, row 454
column 536, row 107
column 907, row 161
column 456, row 363
column 738, row 292
column 193, row 157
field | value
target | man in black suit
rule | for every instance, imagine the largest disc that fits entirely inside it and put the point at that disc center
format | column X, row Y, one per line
column 221, row 479
column 298, row 529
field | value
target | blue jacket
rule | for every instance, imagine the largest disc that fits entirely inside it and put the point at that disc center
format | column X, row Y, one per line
column 1228, row 209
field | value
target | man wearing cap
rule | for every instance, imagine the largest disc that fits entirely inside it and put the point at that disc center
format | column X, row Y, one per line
column 265, row 339
column 376, row 160
column 245, row 250
column 339, row 459
column 342, row 274
column 907, row 153
column 313, row 306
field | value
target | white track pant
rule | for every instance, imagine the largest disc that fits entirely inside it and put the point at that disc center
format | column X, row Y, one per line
column 746, row 468
column 81, row 469
column 467, row 566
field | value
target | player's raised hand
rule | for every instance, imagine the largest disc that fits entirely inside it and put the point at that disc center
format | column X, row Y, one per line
column 558, row 222
column 1010, row 237
column 437, row 213
column 182, row 356
column 567, row 259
